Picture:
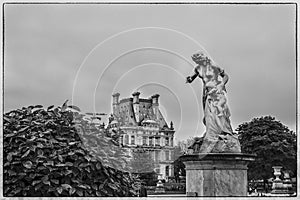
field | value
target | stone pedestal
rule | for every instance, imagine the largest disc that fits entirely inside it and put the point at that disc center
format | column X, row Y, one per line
column 217, row 174
column 279, row 186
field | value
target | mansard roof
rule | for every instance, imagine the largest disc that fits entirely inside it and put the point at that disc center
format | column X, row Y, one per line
column 125, row 115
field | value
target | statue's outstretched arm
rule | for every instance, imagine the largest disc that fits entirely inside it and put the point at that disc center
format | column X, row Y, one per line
column 190, row 79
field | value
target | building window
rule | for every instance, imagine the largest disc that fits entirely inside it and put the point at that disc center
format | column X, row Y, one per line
column 121, row 139
column 144, row 140
column 157, row 141
column 172, row 155
column 171, row 142
column 167, row 170
column 166, row 155
column 132, row 139
column 167, row 141
column 152, row 155
column 157, row 156
column 126, row 139
column 140, row 140
column 151, row 141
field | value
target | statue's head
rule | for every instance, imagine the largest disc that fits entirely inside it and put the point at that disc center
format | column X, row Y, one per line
column 201, row 59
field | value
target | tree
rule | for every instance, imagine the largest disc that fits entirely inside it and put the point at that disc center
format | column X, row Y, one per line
column 142, row 165
column 179, row 167
column 180, row 149
column 272, row 142
column 142, row 162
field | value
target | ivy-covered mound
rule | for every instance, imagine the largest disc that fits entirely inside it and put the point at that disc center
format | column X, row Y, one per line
column 44, row 156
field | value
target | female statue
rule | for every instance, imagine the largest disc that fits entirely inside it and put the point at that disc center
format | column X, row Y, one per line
column 219, row 136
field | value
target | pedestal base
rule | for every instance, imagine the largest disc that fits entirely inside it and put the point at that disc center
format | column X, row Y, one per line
column 279, row 187
column 217, row 174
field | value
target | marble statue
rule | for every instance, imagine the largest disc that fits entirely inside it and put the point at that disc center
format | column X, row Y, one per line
column 219, row 136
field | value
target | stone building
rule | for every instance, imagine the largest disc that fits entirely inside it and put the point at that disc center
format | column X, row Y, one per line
column 143, row 126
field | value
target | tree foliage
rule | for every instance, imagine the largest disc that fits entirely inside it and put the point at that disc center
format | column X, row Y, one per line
column 179, row 168
column 182, row 148
column 272, row 142
column 142, row 162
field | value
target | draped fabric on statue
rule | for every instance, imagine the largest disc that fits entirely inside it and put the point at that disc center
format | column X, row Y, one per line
column 216, row 127
column 214, row 123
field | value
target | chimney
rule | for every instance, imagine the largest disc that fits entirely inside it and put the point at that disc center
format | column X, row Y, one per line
column 155, row 99
column 115, row 101
column 155, row 104
column 116, row 98
column 136, row 106
column 136, row 97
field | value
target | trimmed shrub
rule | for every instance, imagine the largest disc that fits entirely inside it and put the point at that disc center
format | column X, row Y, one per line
column 45, row 156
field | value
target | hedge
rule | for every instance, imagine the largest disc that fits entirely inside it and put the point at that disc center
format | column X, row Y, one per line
column 44, row 155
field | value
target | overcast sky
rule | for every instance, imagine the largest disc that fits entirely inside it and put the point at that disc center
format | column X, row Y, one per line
column 85, row 53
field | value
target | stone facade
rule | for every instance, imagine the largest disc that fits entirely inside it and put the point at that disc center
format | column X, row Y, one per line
column 143, row 126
